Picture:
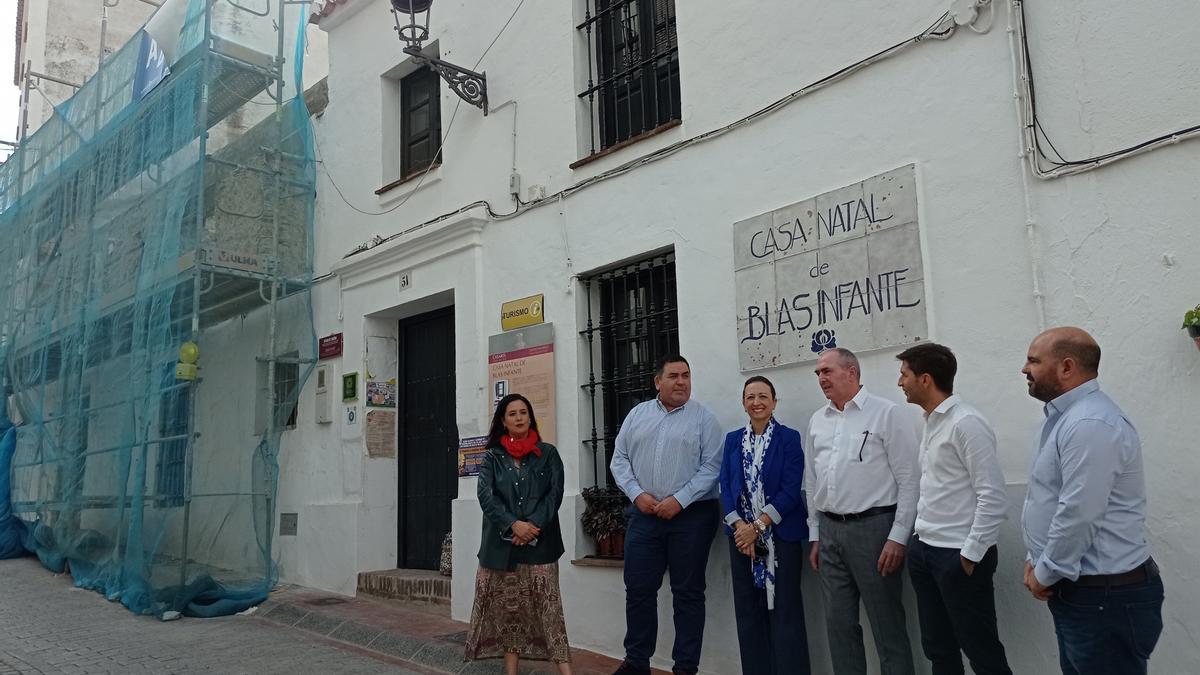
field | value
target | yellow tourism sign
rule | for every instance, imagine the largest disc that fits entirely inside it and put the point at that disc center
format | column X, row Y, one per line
column 523, row 312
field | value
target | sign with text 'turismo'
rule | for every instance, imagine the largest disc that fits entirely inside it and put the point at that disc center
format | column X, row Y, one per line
column 523, row 312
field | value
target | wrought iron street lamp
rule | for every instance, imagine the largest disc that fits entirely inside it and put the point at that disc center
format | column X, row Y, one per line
column 412, row 25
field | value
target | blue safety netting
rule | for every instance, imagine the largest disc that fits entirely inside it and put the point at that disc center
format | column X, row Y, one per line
column 12, row 529
column 167, row 204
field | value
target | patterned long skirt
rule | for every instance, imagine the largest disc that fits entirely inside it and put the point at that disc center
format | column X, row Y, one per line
column 518, row 612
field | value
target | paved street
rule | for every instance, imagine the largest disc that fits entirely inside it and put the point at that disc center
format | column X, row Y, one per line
column 49, row 626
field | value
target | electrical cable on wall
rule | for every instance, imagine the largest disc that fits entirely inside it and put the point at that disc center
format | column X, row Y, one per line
column 940, row 29
column 1036, row 133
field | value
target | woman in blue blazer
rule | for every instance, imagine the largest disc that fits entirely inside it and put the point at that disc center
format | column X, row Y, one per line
column 762, row 480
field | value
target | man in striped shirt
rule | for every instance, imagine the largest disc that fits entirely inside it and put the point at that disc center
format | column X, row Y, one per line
column 667, row 460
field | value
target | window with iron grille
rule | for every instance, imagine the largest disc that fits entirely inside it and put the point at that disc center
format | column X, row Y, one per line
column 631, row 322
column 287, row 390
column 174, row 407
column 420, row 121
column 633, row 69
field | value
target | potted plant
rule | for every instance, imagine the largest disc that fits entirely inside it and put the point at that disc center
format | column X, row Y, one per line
column 1191, row 323
column 604, row 520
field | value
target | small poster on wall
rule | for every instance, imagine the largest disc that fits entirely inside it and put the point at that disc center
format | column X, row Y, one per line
column 470, row 455
column 381, row 434
column 381, row 394
column 522, row 362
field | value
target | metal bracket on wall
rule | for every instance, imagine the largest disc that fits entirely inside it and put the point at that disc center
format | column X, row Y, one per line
column 468, row 84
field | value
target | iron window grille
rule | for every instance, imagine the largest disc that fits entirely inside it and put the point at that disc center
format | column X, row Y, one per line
column 420, row 121
column 632, row 320
column 174, row 407
column 287, row 390
column 633, row 68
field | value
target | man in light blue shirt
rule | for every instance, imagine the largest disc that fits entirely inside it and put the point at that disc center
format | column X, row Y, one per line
column 1085, row 514
column 667, row 460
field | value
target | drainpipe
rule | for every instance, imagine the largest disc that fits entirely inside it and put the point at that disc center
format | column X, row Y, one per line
column 1025, row 149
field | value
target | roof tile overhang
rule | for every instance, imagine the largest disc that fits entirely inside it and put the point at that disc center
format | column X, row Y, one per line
column 324, row 9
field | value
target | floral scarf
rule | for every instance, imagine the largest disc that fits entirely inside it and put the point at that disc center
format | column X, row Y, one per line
column 753, row 501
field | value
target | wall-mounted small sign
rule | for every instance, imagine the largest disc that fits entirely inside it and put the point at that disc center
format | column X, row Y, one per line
column 405, row 279
column 523, row 312
column 470, row 455
column 381, row 434
column 381, row 394
column 350, row 387
column 329, row 346
column 288, row 524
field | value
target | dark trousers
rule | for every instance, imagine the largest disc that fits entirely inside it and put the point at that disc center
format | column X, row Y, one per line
column 771, row 642
column 957, row 612
column 1103, row 630
column 653, row 546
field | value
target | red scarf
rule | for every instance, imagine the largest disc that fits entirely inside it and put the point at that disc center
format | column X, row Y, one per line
column 518, row 448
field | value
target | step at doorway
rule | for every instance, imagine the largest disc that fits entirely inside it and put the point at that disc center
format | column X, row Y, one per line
column 407, row 585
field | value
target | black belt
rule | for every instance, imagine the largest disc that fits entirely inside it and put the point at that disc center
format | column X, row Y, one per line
column 873, row 511
column 1140, row 574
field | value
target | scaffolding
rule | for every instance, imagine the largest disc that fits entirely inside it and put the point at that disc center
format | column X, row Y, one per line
column 163, row 210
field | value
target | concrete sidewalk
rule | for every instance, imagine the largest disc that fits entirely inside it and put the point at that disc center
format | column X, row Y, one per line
column 418, row 636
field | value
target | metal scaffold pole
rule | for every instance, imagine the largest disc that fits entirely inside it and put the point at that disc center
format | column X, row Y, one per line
column 273, row 311
column 189, row 447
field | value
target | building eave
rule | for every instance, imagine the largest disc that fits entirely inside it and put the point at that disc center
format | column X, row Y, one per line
column 329, row 14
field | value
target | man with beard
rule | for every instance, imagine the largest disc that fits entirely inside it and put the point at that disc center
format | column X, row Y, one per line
column 1085, row 514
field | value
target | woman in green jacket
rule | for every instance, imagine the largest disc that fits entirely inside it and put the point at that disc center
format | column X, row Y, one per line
column 518, row 608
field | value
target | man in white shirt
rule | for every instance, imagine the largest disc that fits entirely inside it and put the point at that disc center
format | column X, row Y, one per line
column 861, row 479
column 952, row 556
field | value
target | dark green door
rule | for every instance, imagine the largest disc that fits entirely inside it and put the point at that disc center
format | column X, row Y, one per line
column 428, row 436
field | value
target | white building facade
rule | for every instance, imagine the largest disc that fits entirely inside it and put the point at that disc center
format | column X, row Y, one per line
column 913, row 168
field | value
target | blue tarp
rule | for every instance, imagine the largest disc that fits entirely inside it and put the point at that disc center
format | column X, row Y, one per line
column 12, row 529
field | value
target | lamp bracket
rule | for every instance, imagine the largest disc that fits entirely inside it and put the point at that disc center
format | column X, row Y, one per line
column 468, row 84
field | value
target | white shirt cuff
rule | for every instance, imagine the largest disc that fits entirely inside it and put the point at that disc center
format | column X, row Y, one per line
column 900, row 534
column 770, row 510
column 974, row 551
column 731, row 518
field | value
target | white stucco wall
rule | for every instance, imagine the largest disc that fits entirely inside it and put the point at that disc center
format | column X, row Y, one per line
column 63, row 40
column 1117, row 248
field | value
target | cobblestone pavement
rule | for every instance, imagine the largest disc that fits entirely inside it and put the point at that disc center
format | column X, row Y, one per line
column 49, row 626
